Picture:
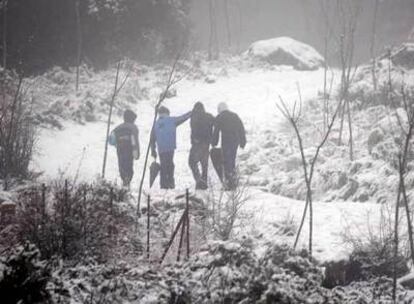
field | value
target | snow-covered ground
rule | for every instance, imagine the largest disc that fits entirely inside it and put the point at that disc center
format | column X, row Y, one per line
column 77, row 151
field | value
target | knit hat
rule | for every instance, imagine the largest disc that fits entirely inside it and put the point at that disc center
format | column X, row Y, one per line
column 222, row 106
column 129, row 116
column 163, row 110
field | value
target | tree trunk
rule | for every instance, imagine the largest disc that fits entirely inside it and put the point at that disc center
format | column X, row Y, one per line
column 402, row 171
column 408, row 214
column 4, row 42
column 351, row 139
column 310, row 221
column 396, row 241
column 211, row 20
column 325, row 85
column 215, row 36
column 372, row 48
column 108, row 125
column 227, row 16
column 170, row 82
column 79, row 41
column 239, row 9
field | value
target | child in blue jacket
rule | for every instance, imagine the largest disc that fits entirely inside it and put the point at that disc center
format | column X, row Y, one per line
column 163, row 136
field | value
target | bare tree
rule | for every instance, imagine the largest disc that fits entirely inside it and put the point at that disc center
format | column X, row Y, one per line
column 4, row 42
column 213, row 46
column 341, row 20
column 224, row 210
column 240, row 24
column 172, row 79
column 111, row 106
column 79, row 41
column 227, row 17
column 294, row 116
column 408, row 103
column 411, row 35
column 325, row 8
column 373, row 45
column 407, row 130
column 349, row 12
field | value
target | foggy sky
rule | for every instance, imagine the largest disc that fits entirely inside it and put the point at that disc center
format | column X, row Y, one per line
column 252, row 20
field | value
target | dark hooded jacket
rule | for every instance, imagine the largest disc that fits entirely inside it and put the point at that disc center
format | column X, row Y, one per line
column 231, row 128
column 127, row 133
column 201, row 125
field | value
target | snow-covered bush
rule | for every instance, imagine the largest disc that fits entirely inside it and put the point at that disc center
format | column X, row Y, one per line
column 224, row 214
column 372, row 253
column 221, row 272
column 23, row 277
column 375, row 259
column 393, row 70
column 286, row 51
column 287, row 226
column 77, row 221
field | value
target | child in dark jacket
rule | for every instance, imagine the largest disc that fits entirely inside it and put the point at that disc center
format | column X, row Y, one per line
column 125, row 137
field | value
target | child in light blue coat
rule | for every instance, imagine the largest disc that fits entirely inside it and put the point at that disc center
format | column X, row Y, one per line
column 164, row 137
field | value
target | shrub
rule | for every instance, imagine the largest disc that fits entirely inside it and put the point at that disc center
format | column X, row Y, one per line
column 224, row 212
column 24, row 277
column 17, row 130
column 372, row 253
column 376, row 259
column 222, row 272
column 76, row 221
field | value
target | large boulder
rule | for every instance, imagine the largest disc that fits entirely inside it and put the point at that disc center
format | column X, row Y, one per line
column 286, row 51
column 404, row 56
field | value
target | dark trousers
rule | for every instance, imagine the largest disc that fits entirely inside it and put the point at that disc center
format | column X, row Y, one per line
column 167, row 170
column 229, row 164
column 125, row 164
column 199, row 154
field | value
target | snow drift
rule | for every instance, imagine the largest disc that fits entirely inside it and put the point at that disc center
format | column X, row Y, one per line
column 286, row 51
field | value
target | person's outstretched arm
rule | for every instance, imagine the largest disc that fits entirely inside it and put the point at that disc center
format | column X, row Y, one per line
column 183, row 118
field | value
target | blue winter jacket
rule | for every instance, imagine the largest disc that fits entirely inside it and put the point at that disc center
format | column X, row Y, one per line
column 164, row 133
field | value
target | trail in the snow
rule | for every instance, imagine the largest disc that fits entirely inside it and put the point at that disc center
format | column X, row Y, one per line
column 252, row 95
column 78, row 149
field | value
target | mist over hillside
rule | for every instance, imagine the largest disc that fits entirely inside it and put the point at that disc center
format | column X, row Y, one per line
column 206, row 151
column 304, row 20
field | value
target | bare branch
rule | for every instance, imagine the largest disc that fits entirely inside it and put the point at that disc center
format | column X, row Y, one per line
column 169, row 84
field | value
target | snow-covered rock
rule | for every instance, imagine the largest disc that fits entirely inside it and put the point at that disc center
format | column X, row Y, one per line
column 404, row 56
column 286, row 51
column 407, row 281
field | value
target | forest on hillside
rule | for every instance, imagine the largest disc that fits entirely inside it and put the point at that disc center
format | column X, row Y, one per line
column 99, row 32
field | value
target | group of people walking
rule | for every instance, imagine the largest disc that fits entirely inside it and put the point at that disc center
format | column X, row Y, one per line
column 206, row 131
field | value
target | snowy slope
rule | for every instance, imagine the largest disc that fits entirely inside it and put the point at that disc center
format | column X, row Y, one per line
column 77, row 150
